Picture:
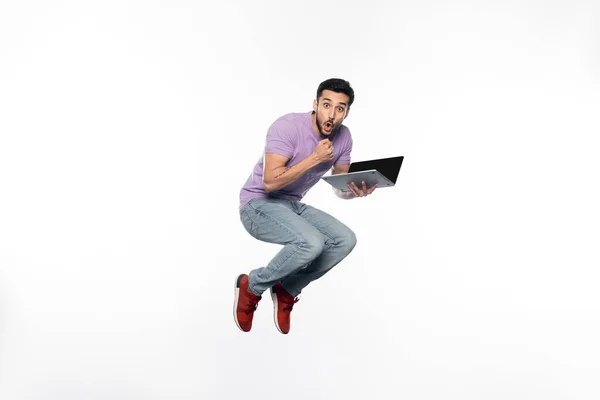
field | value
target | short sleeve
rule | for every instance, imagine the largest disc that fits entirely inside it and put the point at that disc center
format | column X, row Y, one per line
column 345, row 158
column 280, row 139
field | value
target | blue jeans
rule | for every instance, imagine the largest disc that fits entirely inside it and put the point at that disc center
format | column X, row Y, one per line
column 314, row 242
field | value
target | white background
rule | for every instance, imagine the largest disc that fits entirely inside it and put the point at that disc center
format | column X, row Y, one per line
column 128, row 128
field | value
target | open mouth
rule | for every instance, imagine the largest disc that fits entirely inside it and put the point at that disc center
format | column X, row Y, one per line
column 328, row 126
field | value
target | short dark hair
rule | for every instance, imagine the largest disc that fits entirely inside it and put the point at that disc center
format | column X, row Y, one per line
column 337, row 85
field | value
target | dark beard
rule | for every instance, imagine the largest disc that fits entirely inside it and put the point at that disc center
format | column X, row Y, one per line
column 321, row 134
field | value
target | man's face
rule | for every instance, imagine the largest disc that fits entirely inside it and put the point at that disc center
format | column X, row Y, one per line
column 330, row 111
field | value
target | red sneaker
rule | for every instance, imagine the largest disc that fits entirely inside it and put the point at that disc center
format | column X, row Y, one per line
column 283, row 302
column 244, row 304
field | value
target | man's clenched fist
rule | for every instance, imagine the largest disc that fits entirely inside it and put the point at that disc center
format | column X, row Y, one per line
column 324, row 151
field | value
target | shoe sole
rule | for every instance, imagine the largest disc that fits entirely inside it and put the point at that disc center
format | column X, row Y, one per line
column 236, row 298
column 275, row 307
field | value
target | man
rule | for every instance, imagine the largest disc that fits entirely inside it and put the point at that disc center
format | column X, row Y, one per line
column 300, row 148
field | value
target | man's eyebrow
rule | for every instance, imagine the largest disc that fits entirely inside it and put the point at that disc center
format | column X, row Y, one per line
column 325, row 98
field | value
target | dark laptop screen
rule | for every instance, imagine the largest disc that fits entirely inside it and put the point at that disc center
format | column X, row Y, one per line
column 389, row 167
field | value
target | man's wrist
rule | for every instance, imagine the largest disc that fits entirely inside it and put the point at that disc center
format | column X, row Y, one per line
column 344, row 195
column 314, row 160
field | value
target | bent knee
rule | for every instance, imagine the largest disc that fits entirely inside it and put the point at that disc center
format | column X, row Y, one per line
column 348, row 240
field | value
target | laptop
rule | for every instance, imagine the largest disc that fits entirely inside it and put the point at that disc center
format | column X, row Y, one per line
column 383, row 172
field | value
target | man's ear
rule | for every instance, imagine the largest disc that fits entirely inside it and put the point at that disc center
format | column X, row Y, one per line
column 315, row 105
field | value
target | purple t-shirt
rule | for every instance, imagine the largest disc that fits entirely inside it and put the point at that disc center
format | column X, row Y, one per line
column 292, row 136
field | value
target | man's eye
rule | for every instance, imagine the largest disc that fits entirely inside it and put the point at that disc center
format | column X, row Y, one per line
column 340, row 109
column 326, row 105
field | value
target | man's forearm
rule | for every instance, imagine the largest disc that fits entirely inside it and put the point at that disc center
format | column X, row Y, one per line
column 284, row 176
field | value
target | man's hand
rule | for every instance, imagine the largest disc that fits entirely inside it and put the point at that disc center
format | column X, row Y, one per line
column 324, row 151
column 361, row 191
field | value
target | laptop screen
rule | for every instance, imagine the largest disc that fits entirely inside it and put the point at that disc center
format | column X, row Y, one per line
column 389, row 167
